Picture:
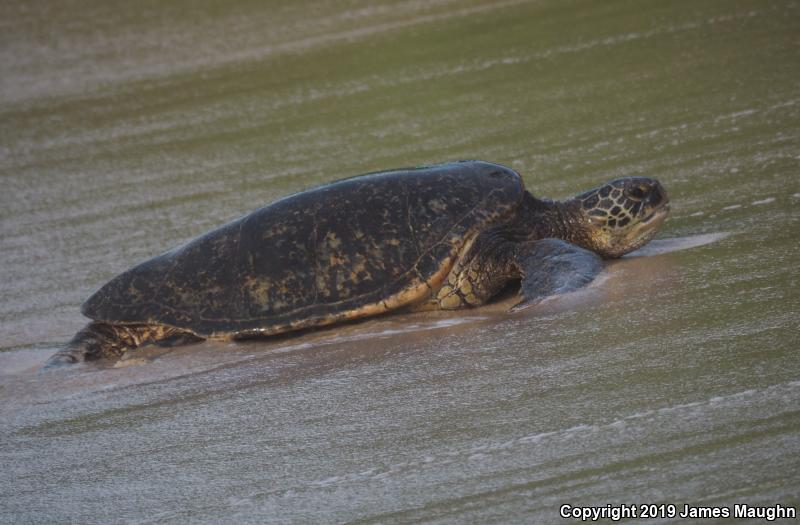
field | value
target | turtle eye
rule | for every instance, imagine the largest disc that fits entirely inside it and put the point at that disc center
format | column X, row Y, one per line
column 636, row 192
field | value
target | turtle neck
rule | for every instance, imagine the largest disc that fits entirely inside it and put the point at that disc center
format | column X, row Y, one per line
column 545, row 218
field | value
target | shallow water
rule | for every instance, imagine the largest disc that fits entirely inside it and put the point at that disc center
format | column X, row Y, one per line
column 673, row 379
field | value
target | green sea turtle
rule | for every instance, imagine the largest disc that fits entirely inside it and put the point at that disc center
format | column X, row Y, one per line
column 447, row 236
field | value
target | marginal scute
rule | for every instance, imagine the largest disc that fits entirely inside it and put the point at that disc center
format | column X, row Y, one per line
column 349, row 249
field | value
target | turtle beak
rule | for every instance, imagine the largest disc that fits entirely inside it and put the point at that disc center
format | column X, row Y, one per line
column 658, row 203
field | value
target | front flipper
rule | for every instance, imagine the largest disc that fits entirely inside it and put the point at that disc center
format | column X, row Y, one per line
column 552, row 267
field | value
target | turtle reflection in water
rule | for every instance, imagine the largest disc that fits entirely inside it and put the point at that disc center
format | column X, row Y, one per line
column 447, row 236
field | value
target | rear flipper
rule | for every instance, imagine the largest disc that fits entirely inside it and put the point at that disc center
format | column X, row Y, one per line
column 553, row 267
column 97, row 340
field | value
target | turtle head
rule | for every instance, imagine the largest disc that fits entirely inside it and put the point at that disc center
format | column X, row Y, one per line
column 622, row 215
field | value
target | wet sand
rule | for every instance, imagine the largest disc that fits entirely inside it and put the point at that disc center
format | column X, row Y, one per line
column 674, row 378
